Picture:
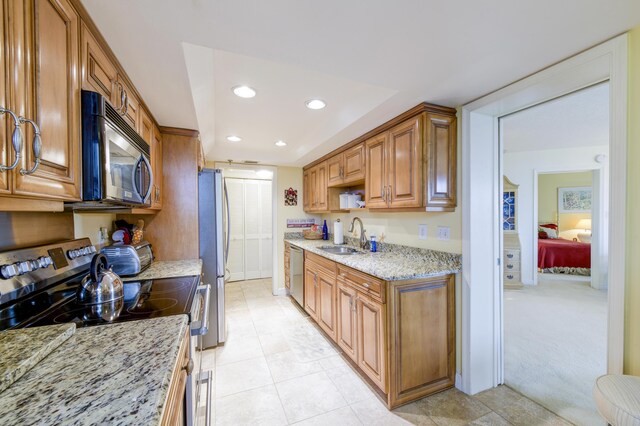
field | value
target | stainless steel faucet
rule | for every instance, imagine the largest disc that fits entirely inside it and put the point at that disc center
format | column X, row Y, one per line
column 364, row 243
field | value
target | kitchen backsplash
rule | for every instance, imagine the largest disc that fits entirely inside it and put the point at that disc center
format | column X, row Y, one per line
column 25, row 229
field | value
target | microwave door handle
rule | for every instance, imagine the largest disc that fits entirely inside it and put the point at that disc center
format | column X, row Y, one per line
column 136, row 177
column 149, row 189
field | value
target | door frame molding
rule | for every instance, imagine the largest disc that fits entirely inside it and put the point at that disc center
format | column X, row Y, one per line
column 482, row 308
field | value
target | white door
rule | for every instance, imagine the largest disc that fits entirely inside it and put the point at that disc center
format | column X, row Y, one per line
column 250, row 252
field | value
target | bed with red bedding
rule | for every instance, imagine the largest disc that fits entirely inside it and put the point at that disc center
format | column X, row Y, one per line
column 559, row 253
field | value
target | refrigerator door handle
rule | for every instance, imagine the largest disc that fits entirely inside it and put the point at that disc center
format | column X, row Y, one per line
column 200, row 327
column 228, row 234
column 221, row 314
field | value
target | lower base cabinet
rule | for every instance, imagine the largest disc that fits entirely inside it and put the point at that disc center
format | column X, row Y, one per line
column 173, row 412
column 400, row 334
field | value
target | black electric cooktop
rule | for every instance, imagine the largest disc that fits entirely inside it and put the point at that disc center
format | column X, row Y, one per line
column 142, row 299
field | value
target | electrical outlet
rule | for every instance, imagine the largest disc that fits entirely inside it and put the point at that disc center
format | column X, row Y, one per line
column 444, row 233
column 422, row 232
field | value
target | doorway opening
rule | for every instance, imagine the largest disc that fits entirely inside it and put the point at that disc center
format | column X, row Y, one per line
column 482, row 333
column 555, row 216
column 251, row 218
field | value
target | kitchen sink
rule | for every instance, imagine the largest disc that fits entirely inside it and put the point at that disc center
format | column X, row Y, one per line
column 341, row 250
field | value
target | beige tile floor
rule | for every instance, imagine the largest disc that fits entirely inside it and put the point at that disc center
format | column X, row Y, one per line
column 277, row 368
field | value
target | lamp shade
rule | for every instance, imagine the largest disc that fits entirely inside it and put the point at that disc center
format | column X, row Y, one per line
column 584, row 224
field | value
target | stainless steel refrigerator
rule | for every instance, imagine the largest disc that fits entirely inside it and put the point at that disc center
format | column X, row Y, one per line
column 213, row 216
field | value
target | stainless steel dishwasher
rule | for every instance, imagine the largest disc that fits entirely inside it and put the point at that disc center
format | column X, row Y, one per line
column 296, row 269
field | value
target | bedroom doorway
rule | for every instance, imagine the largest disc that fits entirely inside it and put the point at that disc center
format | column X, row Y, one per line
column 554, row 228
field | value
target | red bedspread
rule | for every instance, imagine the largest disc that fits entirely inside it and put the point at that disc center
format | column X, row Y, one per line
column 563, row 253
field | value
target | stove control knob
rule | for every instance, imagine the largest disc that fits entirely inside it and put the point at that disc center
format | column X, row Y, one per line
column 24, row 267
column 35, row 264
column 82, row 251
column 44, row 261
column 92, row 250
column 8, row 271
column 72, row 254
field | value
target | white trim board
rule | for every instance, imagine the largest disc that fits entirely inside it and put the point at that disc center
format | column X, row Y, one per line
column 482, row 336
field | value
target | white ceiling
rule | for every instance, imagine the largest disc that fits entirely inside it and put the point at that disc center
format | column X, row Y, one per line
column 577, row 120
column 370, row 59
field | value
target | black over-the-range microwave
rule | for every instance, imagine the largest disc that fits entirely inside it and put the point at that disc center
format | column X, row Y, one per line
column 116, row 166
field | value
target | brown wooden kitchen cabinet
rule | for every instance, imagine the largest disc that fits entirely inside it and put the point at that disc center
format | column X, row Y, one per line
column 346, row 336
column 399, row 334
column 370, row 331
column 173, row 409
column 406, row 164
column 99, row 74
column 394, row 167
column 320, row 291
column 315, row 195
column 441, row 161
column 347, row 167
column 47, row 82
column 6, row 153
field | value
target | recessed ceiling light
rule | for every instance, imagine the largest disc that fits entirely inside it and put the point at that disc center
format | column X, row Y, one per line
column 281, row 143
column 244, row 91
column 315, row 104
column 233, row 138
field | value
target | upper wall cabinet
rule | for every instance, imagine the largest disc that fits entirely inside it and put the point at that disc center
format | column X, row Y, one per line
column 347, row 167
column 406, row 164
column 441, row 162
column 99, row 74
column 47, row 33
column 6, row 154
column 315, row 194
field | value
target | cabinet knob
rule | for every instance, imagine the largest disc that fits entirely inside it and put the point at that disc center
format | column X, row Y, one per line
column 366, row 285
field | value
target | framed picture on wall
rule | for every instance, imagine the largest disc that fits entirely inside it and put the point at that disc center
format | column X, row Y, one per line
column 574, row 200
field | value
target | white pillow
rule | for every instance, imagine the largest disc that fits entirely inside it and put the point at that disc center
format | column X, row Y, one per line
column 551, row 233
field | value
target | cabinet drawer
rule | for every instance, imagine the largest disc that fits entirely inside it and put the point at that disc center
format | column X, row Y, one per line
column 367, row 284
column 511, row 255
column 511, row 266
column 328, row 265
column 511, row 277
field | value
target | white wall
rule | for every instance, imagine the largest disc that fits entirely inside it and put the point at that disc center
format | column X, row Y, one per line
column 521, row 167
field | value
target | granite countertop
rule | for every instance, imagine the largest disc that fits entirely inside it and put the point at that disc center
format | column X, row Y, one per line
column 109, row 374
column 22, row 349
column 392, row 263
column 169, row 269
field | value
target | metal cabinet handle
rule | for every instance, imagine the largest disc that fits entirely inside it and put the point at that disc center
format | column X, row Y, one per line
column 389, row 195
column 124, row 100
column 36, row 146
column 382, row 191
column 16, row 140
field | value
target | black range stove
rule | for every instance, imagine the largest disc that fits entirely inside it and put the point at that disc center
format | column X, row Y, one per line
column 38, row 287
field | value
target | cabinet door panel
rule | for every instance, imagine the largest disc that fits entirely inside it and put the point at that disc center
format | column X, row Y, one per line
column 53, row 101
column 322, row 187
column 306, row 191
column 158, row 172
column 335, row 170
column 313, row 188
column 422, row 336
column 310, row 284
column 346, row 320
column 376, row 171
column 371, row 347
column 405, row 164
column 441, row 150
column 327, row 304
column 6, row 153
column 354, row 164
column 98, row 73
column 132, row 112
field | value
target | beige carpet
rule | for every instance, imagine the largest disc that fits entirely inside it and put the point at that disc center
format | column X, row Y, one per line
column 555, row 346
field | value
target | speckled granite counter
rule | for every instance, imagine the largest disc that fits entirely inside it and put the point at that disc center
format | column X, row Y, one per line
column 110, row 374
column 22, row 349
column 393, row 263
column 169, row 269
